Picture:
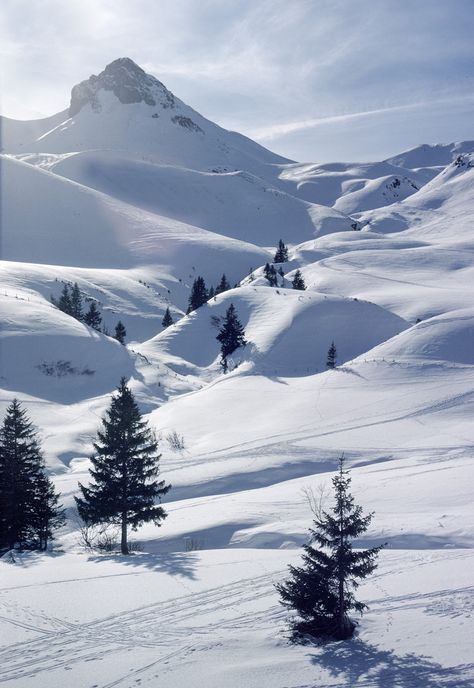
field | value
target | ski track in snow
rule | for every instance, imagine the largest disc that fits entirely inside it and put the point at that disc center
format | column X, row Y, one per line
column 158, row 626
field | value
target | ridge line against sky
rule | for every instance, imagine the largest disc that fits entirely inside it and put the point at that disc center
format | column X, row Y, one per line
column 317, row 79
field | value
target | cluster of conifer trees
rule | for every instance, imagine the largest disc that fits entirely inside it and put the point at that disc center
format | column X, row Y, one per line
column 71, row 302
column 200, row 294
column 271, row 273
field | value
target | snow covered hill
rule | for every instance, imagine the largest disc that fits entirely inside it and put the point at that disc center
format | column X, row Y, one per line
column 132, row 195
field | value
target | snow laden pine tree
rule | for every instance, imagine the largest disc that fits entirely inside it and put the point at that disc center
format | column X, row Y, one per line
column 29, row 510
column 231, row 335
column 125, row 469
column 321, row 591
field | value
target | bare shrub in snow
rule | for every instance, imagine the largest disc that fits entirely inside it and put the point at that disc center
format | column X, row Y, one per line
column 175, row 441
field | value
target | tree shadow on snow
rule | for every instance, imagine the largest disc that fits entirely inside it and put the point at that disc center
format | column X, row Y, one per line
column 173, row 563
column 358, row 663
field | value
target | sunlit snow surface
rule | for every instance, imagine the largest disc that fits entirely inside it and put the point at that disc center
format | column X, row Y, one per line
column 133, row 214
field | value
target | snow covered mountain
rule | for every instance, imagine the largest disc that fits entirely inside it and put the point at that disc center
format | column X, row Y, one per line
column 132, row 194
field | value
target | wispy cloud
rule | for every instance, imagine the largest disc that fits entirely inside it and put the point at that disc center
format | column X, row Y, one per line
column 270, row 68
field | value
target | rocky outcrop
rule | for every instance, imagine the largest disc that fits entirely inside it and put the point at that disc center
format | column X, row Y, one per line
column 128, row 82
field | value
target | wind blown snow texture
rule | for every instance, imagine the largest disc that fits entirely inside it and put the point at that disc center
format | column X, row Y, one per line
column 132, row 194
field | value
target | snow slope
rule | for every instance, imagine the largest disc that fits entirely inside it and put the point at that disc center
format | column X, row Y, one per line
column 133, row 207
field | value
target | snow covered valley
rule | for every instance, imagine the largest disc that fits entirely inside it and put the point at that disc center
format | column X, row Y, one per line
column 133, row 201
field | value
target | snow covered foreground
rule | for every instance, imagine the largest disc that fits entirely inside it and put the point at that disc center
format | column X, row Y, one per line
column 211, row 619
column 133, row 207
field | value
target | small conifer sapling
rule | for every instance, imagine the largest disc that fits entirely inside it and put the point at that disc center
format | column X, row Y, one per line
column 321, row 591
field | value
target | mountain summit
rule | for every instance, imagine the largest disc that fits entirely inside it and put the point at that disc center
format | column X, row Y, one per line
column 127, row 81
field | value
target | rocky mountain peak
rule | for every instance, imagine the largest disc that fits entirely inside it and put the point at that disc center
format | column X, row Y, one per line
column 129, row 83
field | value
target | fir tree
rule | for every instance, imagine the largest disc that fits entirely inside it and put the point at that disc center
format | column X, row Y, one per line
column 231, row 335
column 125, row 468
column 64, row 304
column 332, row 356
column 281, row 255
column 270, row 273
column 24, row 486
column 198, row 294
column 120, row 332
column 93, row 317
column 223, row 285
column 298, row 281
column 322, row 590
column 48, row 513
column 167, row 319
column 76, row 302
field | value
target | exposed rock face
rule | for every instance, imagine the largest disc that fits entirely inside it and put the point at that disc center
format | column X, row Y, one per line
column 128, row 82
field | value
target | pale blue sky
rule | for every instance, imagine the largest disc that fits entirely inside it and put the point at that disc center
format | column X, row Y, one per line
column 311, row 79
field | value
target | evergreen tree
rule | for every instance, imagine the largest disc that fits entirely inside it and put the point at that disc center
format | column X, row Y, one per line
column 120, row 332
column 76, row 302
column 321, row 591
column 231, row 335
column 48, row 513
column 298, row 281
column 64, row 304
column 198, row 294
column 270, row 273
column 167, row 319
column 93, row 317
column 281, row 255
column 223, row 285
column 211, row 293
column 332, row 356
column 24, row 486
column 125, row 468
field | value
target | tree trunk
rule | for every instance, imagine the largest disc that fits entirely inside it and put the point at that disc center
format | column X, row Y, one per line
column 123, row 542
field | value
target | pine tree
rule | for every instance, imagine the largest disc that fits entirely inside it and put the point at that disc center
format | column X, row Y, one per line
column 64, row 304
column 48, row 513
column 167, row 319
column 281, row 255
column 198, row 294
column 332, row 356
column 298, row 281
column 223, row 285
column 270, row 273
column 231, row 335
column 24, row 486
column 321, row 591
column 76, row 302
column 93, row 317
column 125, row 468
column 120, row 332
